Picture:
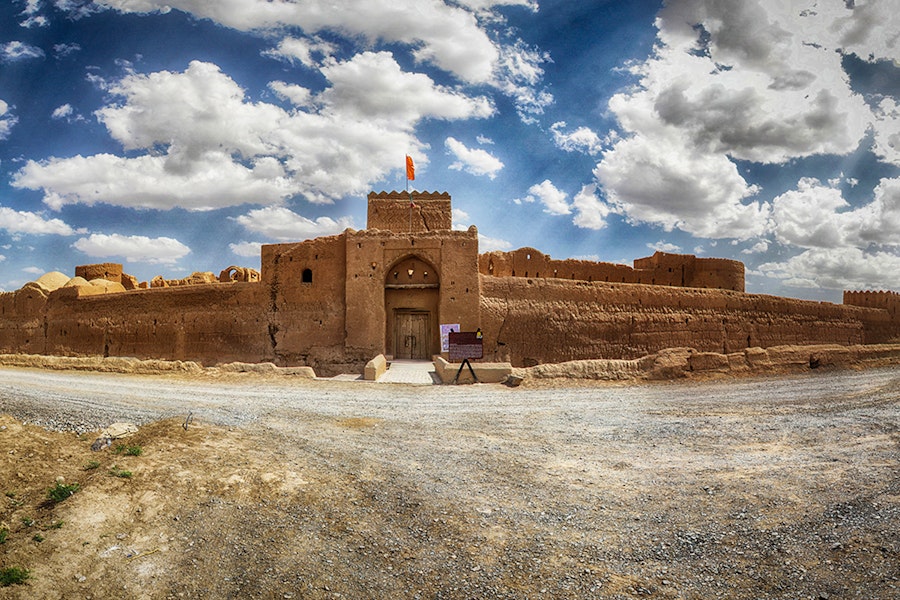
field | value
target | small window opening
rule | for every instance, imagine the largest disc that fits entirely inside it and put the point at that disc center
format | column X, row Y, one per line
column 306, row 277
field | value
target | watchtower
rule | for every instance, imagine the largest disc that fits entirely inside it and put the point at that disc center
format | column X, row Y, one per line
column 409, row 212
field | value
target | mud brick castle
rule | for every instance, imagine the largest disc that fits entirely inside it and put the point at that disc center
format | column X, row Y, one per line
column 335, row 302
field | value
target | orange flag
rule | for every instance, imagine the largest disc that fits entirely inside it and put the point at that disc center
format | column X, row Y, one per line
column 410, row 168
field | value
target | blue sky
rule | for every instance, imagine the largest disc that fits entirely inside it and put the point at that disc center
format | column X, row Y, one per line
column 177, row 136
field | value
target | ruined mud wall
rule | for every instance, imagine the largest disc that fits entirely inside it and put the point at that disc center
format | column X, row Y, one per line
column 532, row 321
column 22, row 321
column 679, row 270
column 883, row 327
column 108, row 271
column 206, row 324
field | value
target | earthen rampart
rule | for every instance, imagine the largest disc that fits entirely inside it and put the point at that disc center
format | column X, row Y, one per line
column 887, row 300
column 334, row 303
column 208, row 324
column 532, row 321
column 679, row 270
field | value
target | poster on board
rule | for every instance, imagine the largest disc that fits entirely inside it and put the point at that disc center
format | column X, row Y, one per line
column 445, row 336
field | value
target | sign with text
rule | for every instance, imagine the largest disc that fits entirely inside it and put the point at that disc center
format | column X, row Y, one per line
column 445, row 336
column 465, row 345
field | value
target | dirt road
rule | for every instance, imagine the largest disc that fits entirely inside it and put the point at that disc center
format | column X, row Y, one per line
column 282, row 488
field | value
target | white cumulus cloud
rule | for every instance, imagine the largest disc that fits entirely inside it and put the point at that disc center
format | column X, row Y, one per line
column 246, row 249
column 17, row 221
column 582, row 139
column 734, row 80
column 206, row 146
column 554, row 200
column 445, row 35
column 489, row 244
column 310, row 52
column 135, row 248
column 475, row 161
column 590, row 211
column 662, row 246
column 836, row 268
column 7, row 120
column 817, row 216
column 843, row 247
column 661, row 181
column 283, row 224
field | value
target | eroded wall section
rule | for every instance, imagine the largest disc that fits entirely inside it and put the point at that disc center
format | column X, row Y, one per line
column 679, row 270
column 208, row 324
column 534, row 320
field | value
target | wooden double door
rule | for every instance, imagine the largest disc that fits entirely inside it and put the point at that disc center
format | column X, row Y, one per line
column 412, row 334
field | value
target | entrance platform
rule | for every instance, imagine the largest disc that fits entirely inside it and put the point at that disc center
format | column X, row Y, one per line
column 416, row 372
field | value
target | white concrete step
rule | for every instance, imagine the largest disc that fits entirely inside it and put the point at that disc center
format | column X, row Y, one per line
column 419, row 372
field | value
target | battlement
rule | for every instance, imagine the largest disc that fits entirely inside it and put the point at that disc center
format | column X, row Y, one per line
column 409, row 212
column 887, row 300
column 679, row 270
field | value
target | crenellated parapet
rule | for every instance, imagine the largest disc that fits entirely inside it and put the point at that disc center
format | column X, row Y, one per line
column 678, row 270
column 887, row 300
column 409, row 212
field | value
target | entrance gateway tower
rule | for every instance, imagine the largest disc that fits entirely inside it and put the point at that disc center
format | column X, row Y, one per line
column 386, row 289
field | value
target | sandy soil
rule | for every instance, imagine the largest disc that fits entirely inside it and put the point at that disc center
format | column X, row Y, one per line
column 289, row 488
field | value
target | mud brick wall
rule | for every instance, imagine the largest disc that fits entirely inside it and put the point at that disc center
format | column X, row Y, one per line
column 304, row 295
column 207, row 323
column 531, row 321
column 409, row 212
column 679, row 270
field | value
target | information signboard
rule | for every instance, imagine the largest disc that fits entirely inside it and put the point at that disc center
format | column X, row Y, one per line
column 465, row 345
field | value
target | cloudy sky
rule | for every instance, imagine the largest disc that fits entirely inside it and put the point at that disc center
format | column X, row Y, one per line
column 178, row 135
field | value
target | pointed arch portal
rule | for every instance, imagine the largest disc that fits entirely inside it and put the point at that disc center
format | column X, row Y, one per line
column 411, row 302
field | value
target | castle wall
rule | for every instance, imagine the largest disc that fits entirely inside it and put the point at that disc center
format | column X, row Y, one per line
column 304, row 293
column 335, row 302
column 531, row 321
column 885, row 328
column 207, row 324
column 679, row 270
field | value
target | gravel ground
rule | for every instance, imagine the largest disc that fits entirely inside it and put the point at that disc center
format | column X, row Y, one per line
column 752, row 488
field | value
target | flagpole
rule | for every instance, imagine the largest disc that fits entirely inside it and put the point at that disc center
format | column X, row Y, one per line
column 408, row 194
